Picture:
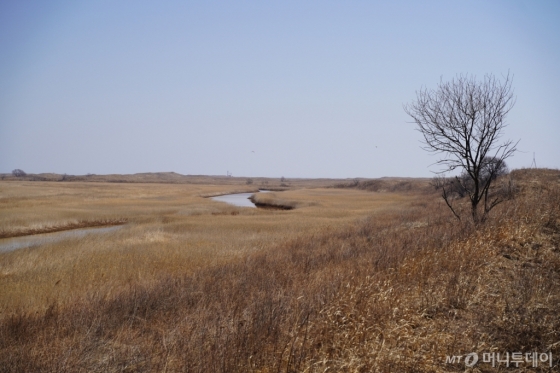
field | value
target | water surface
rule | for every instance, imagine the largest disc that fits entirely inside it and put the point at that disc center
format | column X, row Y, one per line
column 238, row 199
column 14, row 243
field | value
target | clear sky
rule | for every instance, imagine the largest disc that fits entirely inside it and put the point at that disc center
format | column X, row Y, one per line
column 260, row 88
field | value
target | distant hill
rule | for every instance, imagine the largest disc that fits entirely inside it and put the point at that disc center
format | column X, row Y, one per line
column 394, row 184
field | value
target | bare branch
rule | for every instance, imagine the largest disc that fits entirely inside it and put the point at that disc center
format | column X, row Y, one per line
column 463, row 119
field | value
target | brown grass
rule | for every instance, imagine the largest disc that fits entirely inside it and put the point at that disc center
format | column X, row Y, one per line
column 171, row 231
column 387, row 184
column 80, row 224
column 395, row 292
column 271, row 201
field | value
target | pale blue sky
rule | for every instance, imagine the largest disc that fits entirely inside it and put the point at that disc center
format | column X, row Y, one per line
column 260, row 88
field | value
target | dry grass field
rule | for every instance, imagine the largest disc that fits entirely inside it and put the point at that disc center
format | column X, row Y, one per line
column 350, row 280
column 170, row 230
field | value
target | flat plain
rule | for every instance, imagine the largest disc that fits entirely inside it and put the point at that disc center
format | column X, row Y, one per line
column 168, row 229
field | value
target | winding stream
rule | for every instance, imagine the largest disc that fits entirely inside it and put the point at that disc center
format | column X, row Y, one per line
column 14, row 243
column 238, row 199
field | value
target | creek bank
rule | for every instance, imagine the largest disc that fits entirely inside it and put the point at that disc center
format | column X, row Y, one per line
column 22, row 242
column 81, row 224
column 236, row 199
column 263, row 199
column 271, row 204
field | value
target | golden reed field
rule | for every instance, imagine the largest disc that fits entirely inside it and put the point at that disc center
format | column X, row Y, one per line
column 357, row 276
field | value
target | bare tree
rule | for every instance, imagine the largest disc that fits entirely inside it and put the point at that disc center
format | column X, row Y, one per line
column 464, row 119
column 463, row 185
column 18, row 173
column 493, row 168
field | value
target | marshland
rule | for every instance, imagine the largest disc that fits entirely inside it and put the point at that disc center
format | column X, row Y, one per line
column 359, row 275
column 279, row 186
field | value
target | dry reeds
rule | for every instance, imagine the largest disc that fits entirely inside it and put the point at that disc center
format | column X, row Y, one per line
column 66, row 226
column 271, row 201
column 396, row 292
